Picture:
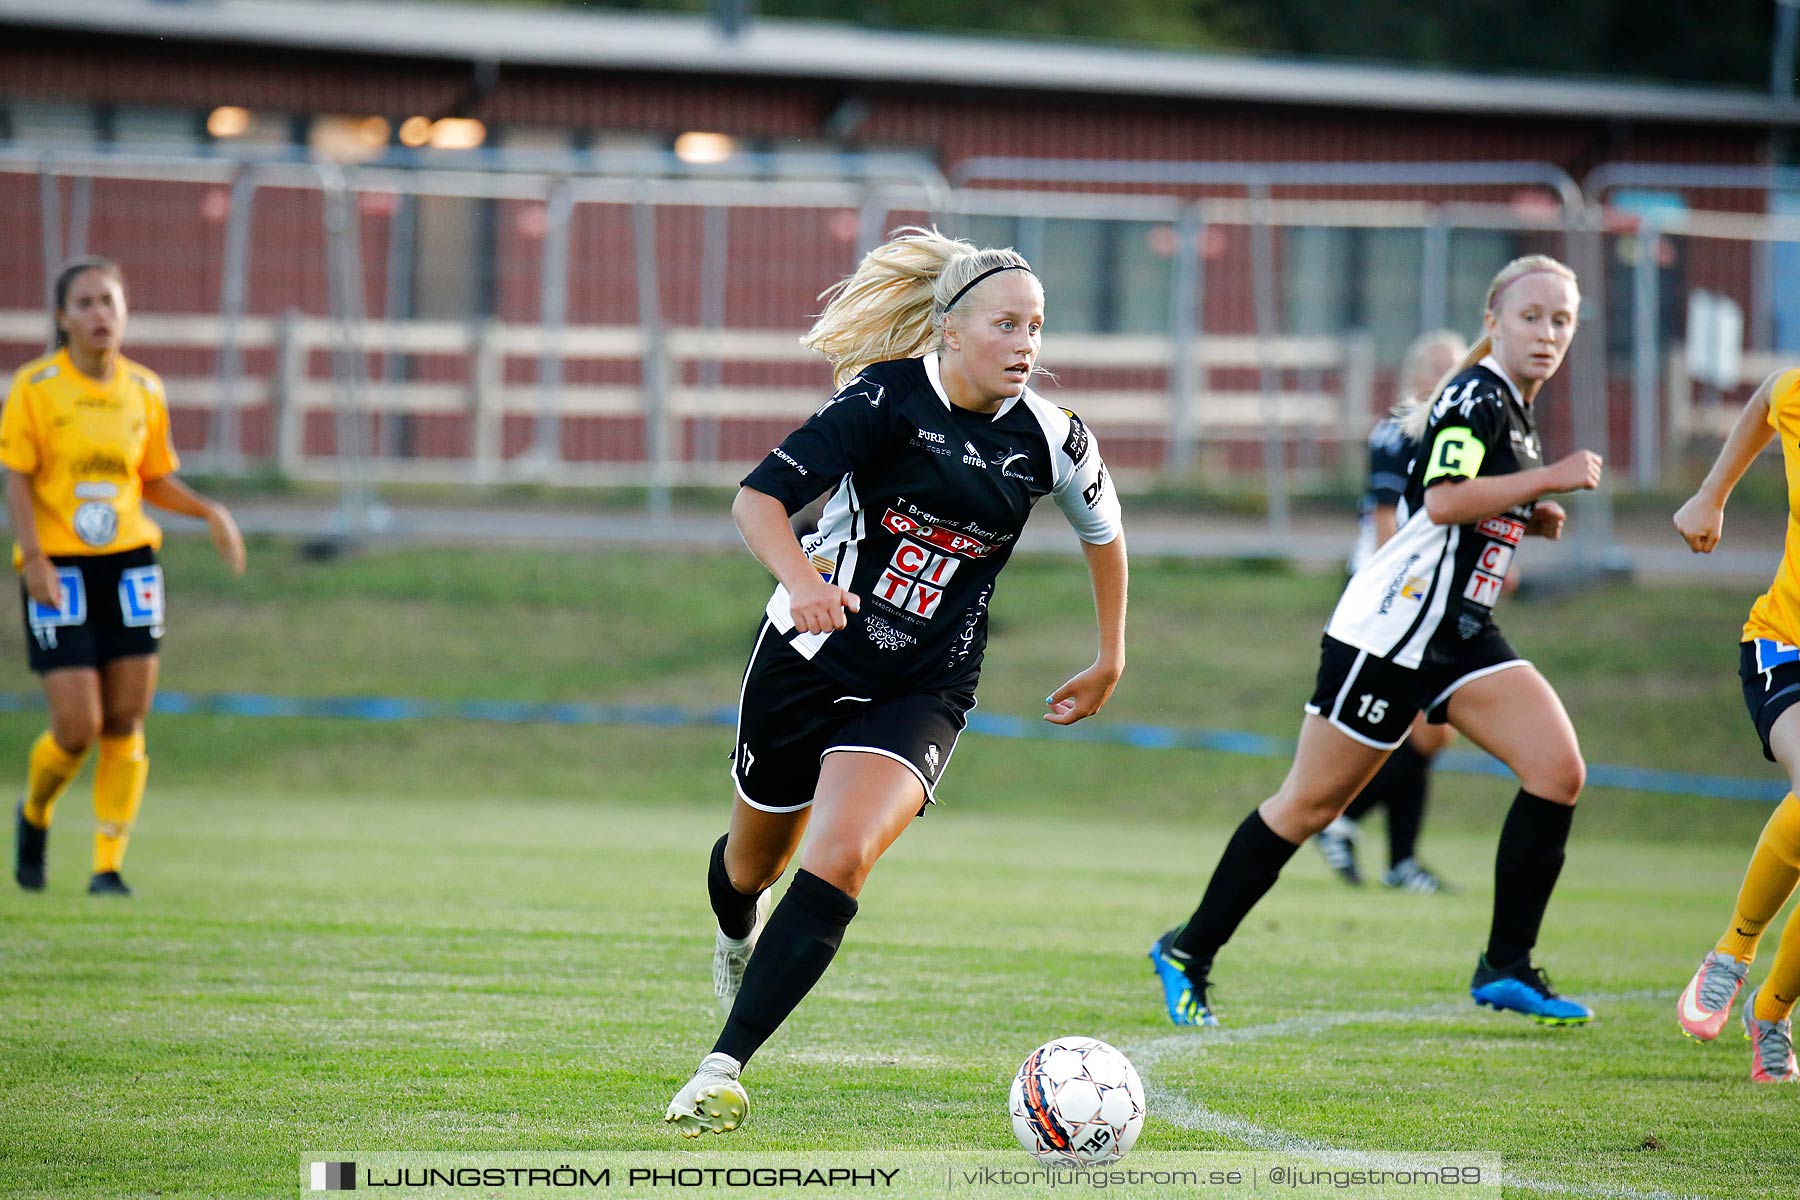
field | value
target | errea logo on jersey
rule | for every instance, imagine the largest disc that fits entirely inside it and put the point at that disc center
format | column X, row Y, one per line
column 972, row 456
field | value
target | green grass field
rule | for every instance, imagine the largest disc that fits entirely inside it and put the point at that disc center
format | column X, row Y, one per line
column 459, row 936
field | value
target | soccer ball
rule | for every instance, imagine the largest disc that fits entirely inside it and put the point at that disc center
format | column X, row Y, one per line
column 1077, row 1102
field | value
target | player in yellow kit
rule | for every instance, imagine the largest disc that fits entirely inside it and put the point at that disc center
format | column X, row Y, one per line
column 84, row 440
column 1769, row 663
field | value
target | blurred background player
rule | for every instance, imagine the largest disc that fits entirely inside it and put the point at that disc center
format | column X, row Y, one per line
column 1769, row 664
column 84, row 438
column 1404, row 780
column 1414, row 632
column 866, row 664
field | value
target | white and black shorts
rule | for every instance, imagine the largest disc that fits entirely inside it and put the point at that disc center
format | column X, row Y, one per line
column 791, row 715
column 1374, row 700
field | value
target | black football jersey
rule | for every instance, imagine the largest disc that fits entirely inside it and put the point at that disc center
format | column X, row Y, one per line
column 1390, row 462
column 1433, row 586
column 927, row 502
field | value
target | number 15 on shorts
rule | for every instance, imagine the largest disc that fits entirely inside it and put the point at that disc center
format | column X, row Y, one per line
column 1371, row 709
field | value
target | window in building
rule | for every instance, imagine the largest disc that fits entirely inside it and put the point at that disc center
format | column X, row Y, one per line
column 148, row 129
column 52, row 123
column 1098, row 276
column 1344, row 280
column 453, row 273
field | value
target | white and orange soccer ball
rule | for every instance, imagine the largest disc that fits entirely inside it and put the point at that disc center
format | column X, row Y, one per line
column 1077, row 1102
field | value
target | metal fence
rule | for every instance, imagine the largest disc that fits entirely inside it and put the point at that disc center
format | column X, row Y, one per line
column 1214, row 322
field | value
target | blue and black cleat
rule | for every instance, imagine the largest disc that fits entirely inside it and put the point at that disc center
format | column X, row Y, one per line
column 1522, row 988
column 1184, row 994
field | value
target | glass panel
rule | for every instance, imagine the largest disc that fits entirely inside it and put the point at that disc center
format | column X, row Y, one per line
column 149, row 128
column 52, row 123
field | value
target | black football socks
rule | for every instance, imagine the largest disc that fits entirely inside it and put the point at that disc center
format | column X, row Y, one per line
column 736, row 911
column 796, row 946
column 1526, row 865
column 1251, row 863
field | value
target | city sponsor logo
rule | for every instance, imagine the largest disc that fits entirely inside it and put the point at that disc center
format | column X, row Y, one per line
column 944, row 539
column 1401, row 584
column 1414, row 588
column 915, row 578
column 1506, row 529
column 824, row 566
column 1483, row 588
column 1495, row 558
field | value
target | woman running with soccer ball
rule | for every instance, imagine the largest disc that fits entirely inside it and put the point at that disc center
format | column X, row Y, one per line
column 934, row 450
column 1769, row 664
column 1414, row 632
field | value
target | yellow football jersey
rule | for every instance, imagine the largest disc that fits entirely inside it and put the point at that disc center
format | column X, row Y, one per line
column 88, row 446
column 1776, row 613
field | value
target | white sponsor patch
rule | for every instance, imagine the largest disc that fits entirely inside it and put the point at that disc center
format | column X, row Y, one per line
column 915, row 578
column 1483, row 588
column 141, row 598
column 96, row 523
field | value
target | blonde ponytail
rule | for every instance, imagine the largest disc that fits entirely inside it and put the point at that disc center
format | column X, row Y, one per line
column 892, row 305
column 1413, row 413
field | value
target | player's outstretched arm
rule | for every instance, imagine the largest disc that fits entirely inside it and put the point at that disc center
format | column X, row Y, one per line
column 1088, row 692
column 1463, row 501
column 1701, row 521
column 168, row 492
column 816, row 606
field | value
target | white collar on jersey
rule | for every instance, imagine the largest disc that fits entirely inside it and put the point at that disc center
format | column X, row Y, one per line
column 937, row 385
column 1493, row 364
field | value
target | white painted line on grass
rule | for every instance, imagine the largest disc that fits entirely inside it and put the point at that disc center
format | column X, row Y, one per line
column 1179, row 1109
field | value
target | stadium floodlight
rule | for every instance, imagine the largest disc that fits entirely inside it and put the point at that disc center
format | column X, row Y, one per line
column 227, row 121
column 457, row 133
column 699, row 148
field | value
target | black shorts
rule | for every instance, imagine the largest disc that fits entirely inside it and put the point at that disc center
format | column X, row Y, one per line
column 1375, row 701
column 112, row 608
column 791, row 715
column 1771, row 674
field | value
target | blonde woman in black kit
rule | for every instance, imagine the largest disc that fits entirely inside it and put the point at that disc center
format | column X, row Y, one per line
column 934, row 451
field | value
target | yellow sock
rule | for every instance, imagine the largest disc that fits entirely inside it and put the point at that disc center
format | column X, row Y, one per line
column 1769, row 881
column 119, row 778
column 47, row 778
column 1775, row 998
